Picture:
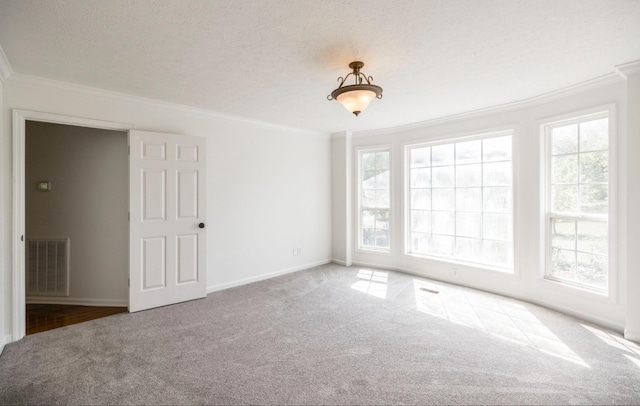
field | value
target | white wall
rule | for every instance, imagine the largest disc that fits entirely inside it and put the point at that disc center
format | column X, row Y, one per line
column 4, row 337
column 341, row 198
column 631, row 153
column 268, row 187
column 88, row 203
column 527, row 282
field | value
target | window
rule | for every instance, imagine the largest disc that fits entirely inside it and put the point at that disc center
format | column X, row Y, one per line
column 577, row 215
column 374, row 200
column 459, row 200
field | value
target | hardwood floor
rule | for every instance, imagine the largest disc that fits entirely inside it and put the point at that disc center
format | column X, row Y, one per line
column 43, row 317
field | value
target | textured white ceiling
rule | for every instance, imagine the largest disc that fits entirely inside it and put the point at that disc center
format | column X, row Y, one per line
column 277, row 60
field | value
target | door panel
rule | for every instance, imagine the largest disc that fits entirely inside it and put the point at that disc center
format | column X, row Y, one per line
column 187, row 194
column 187, row 254
column 167, row 180
column 154, row 194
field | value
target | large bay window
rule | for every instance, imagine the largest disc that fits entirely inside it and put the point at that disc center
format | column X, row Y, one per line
column 373, row 199
column 577, row 207
column 459, row 200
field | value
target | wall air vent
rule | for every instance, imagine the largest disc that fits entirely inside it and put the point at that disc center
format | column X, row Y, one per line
column 47, row 267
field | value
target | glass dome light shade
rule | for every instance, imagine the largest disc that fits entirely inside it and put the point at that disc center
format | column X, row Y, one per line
column 356, row 98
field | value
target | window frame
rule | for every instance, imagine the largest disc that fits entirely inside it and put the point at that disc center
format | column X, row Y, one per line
column 406, row 204
column 546, row 127
column 358, row 152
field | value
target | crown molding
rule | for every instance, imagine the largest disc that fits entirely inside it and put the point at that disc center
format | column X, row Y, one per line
column 19, row 79
column 600, row 81
column 5, row 67
column 628, row 68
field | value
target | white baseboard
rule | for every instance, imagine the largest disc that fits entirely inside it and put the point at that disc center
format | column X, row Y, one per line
column 632, row 335
column 245, row 281
column 76, row 301
column 340, row 262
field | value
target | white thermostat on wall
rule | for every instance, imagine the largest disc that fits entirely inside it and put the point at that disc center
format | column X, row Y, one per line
column 44, row 186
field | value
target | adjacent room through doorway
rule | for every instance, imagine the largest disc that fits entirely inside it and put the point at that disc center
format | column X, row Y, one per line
column 76, row 205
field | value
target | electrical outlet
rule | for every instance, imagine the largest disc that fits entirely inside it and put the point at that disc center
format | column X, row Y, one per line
column 297, row 251
column 454, row 271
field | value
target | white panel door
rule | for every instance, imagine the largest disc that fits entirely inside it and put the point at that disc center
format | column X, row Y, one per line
column 167, row 234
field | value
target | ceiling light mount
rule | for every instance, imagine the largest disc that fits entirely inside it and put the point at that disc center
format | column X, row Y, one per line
column 356, row 97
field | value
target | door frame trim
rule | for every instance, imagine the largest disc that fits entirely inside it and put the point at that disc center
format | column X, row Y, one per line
column 20, row 118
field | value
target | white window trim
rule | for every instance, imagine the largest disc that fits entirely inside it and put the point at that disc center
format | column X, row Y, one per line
column 406, row 199
column 609, row 110
column 357, row 235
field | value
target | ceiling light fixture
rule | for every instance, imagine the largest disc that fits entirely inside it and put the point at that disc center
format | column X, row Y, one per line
column 357, row 97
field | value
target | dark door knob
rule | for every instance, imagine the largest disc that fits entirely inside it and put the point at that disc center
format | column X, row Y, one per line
column 201, row 225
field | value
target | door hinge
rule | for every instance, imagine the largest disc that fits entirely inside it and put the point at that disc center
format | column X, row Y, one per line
column 129, row 149
column 129, row 216
column 129, row 282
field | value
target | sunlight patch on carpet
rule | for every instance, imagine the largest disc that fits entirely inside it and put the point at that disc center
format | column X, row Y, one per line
column 614, row 340
column 373, row 283
column 505, row 320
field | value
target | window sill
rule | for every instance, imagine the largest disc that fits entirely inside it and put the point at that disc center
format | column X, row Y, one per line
column 484, row 267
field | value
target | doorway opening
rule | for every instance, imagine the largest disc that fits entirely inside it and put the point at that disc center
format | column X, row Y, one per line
column 76, row 224
column 44, row 317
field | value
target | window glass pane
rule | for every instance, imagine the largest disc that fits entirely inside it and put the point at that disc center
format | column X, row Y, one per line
column 469, row 175
column 369, row 237
column 444, row 199
column 420, row 157
column 443, row 176
column 368, row 198
column 579, row 241
column 443, row 222
column 368, row 219
column 369, row 179
column 497, row 227
column 382, row 160
column 564, row 169
column 594, row 199
column 375, row 200
column 468, row 248
column 469, row 224
column 442, row 245
column 382, row 238
column 382, row 179
column 421, row 178
column 564, row 140
column 496, row 174
column 420, row 243
column 382, row 219
column 496, row 149
column 593, row 237
column 594, row 135
column 442, row 155
column 421, row 199
column 468, row 152
column 468, row 213
column 594, row 167
column 592, row 270
column 563, row 263
column 382, row 198
column 564, row 199
column 368, row 160
column 563, row 233
column 498, row 252
column 497, row 199
column 421, row 221
column 469, row 199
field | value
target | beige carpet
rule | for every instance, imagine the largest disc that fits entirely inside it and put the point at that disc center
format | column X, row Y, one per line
column 328, row 335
